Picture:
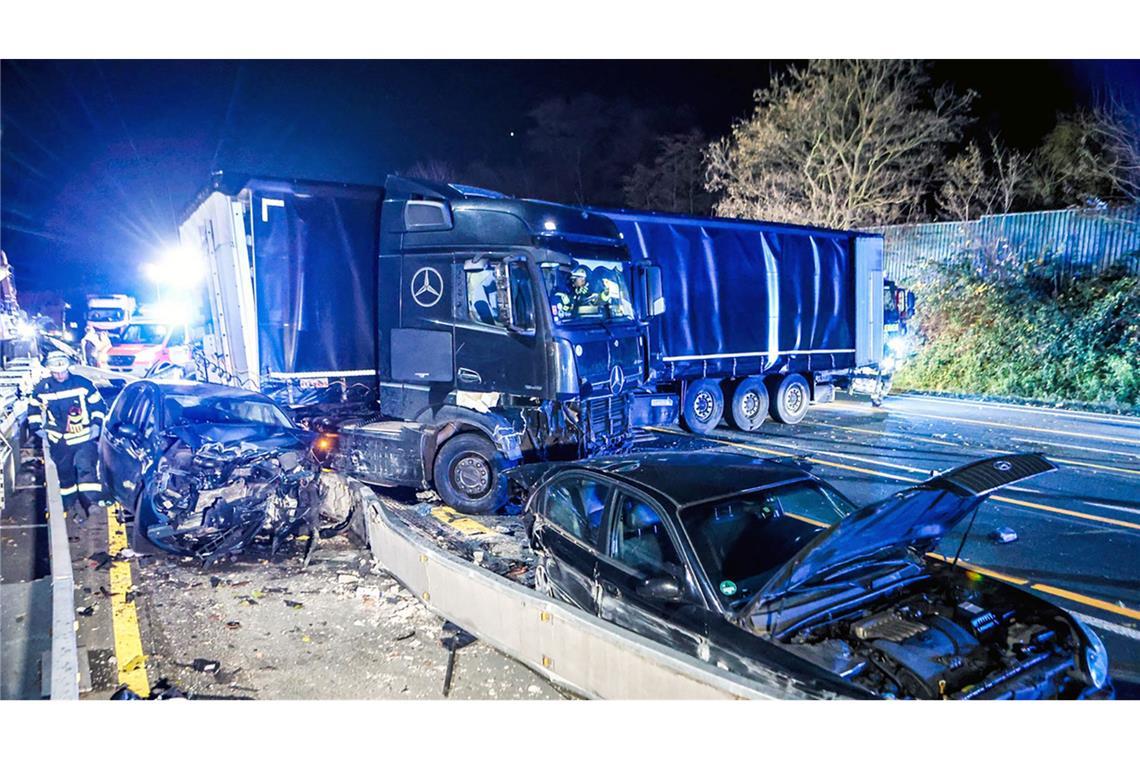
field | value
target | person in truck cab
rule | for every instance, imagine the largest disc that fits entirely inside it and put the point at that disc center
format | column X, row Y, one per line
column 583, row 299
column 67, row 411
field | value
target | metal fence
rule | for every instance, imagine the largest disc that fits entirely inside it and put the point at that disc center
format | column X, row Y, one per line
column 1071, row 240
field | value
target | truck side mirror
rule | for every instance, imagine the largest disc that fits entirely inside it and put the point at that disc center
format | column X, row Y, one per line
column 654, row 297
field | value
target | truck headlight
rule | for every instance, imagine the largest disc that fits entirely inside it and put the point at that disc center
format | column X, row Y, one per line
column 1094, row 657
column 897, row 345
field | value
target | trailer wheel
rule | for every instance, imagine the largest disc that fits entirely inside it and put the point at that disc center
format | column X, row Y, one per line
column 703, row 406
column 749, row 404
column 468, row 474
column 789, row 401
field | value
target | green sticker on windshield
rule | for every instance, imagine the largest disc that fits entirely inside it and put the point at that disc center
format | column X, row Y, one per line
column 728, row 588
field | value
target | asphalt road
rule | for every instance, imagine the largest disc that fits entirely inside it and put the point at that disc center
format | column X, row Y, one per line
column 1078, row 528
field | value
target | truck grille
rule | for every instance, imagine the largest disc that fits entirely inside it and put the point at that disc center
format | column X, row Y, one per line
column 121, row 360
column 607, row 420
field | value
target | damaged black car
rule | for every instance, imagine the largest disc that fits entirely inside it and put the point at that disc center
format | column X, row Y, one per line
column 760, row 568
column 206, row 470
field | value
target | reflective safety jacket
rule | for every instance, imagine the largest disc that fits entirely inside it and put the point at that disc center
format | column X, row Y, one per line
column 66, row 410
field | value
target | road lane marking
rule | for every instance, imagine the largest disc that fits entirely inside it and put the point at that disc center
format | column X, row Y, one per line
column 919, row 438
column 1082, row 447
column 1018, row 502
column 1091, row 466
column 1114, row 508
column 982, row 570
column 129, row 654
column 1120, row 630
column 1100, row 604
column 1069, row 512
column 929, row 439
column 1005, row 425
column 852, row 457
column 462, row 523
column 1073, row 413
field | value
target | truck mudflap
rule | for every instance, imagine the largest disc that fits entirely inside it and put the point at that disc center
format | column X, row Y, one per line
column 562, row 643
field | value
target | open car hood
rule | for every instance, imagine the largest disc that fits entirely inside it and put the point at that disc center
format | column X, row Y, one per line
column 268, row 437
column 918, row 516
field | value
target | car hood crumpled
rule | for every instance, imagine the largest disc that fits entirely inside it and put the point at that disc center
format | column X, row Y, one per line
column 919, row 516
column 267, row 437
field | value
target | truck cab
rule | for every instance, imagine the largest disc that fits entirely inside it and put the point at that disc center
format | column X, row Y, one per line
column 494, row 330
column 507, row 330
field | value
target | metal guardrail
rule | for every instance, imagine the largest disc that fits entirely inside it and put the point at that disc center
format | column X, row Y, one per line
column 569, row 646
column 64, row 642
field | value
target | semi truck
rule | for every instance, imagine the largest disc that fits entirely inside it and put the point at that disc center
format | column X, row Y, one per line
column 458, row 307
column 760, row 318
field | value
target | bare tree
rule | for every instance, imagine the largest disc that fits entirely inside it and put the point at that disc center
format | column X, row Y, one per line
column 673, row 181
column 1091, row 155
column 838, row 143
column 976, row 184
column 432, row 169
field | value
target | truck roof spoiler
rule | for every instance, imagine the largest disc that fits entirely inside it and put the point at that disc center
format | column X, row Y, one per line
column 404, row 188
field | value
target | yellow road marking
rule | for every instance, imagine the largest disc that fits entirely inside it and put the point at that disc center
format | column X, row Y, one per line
column 1091, row 466
column 1100, row 604
column 1006, row 425
column 460, row 522
column 1019, row 502
column 982, row 570
column 1069, row 512
column 124, row 615
column 919, row 438
column 1082, row 447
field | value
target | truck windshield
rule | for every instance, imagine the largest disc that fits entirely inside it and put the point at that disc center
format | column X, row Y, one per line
column 588, row 290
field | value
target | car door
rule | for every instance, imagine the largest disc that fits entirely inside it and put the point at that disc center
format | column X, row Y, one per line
column 137, row 447
column 113, row 443
column 568, row 529
column 641, row 545
column 492, row 353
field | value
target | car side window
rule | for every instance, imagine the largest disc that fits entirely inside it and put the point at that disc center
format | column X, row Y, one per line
column 576, row 505
column 126, row 403
column 142, row 416
column 640, row 539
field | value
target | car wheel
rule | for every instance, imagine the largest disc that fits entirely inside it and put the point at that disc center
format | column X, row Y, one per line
column 703, row 406
column 789, row 401
column 141, row 522
column 468, row 474
column 749, row 404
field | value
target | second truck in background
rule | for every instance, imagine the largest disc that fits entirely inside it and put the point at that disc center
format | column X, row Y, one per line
column 759, row 318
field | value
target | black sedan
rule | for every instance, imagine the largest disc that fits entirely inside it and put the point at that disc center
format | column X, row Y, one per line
column 762, row 569
column 204, row 468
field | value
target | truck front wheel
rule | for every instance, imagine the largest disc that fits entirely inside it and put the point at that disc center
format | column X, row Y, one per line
column 703, row 406
column 749, row 404
column 468, row 474
column 789, row 402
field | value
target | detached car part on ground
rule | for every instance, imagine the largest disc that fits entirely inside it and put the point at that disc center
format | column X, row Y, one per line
column 213, row 469
column 751, row 571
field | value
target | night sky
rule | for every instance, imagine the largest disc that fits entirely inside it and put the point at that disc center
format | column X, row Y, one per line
column 98, row 159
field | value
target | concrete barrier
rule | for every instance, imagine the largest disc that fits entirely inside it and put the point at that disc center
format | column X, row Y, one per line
column 570, row 647
column 64, row 645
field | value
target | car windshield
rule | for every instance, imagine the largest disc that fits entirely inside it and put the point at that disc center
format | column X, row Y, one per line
column 150, row 334
column 742, row 540
column 105, row 315
column 188, row 410
column 588, row 290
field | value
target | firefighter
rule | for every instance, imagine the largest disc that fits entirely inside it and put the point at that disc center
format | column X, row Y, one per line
column 68, row 411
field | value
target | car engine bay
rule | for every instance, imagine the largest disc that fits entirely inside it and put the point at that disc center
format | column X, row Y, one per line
column 212, row 501
column 947, row 640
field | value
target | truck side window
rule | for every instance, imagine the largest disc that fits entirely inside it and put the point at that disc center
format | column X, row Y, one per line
column 483, row 297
